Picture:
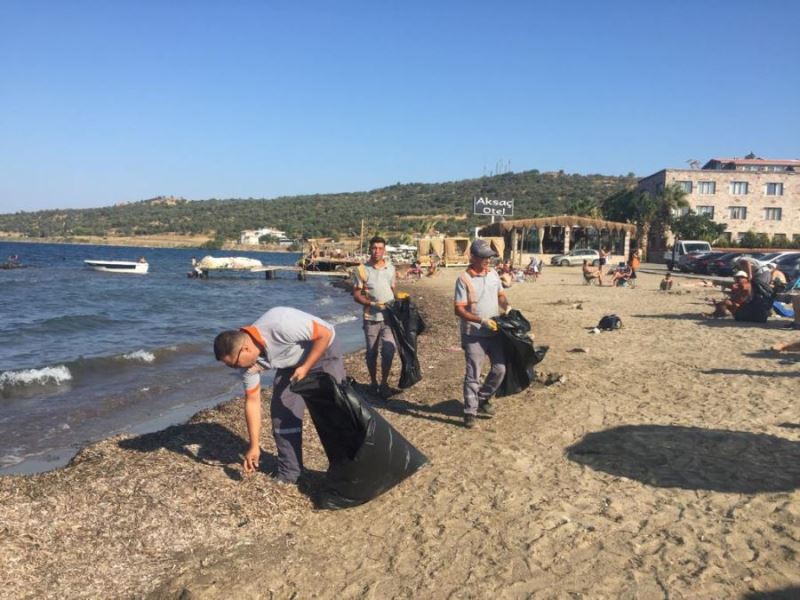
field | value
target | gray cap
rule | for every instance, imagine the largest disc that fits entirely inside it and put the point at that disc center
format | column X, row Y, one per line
column 481, row 249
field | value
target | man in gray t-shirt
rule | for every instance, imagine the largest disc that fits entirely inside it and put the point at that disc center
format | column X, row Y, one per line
column 479, row 296
column 374, row 286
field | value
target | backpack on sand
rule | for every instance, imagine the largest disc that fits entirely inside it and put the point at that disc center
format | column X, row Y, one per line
column 610, row 323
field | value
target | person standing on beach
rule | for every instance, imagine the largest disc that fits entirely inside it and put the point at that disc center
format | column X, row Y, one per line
column 294, row 343
column 374, row 286
column 479, row 297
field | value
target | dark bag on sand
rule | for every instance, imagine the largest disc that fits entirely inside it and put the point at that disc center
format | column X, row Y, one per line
column 406, row 324
column 610, row 323
column 521, row 356
column 367, row 455
column 759, row 307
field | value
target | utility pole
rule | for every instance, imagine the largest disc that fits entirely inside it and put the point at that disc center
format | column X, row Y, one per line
column 361, row 238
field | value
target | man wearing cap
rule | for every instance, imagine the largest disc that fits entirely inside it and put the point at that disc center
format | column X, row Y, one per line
column 479, row 296
column 294, row 343
column 740, row 294
column 373, row 287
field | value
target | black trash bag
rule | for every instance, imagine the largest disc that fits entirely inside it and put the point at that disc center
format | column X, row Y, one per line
column 759, row 307
column 610, row 323
column 406, row 324
column 367, row 455
column 521, row 355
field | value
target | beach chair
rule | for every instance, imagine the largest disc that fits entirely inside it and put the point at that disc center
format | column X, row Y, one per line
column 781, row 309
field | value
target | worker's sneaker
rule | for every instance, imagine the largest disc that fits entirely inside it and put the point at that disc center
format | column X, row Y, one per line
column 469, row 421
column 486, row 408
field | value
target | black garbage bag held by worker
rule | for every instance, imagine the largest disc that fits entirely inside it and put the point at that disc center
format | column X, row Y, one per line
column 367, row 455
column 406, row 324
column 521, row 355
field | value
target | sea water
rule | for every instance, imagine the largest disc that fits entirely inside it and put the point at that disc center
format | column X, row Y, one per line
column 86, row 354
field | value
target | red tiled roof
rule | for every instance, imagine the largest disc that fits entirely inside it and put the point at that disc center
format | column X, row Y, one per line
column 758, row 161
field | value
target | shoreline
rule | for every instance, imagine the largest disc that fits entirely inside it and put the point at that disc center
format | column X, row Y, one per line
column 156, row 242
column 638, row 473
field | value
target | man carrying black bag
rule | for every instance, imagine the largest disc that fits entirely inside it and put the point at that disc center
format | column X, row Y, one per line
column 479, row 296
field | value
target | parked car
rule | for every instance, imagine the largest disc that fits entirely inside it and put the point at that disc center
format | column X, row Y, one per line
column 789, row 265
column 699, row 264
column 776, row 256
column 576, row 257
column 726, row 264
column 677, row 255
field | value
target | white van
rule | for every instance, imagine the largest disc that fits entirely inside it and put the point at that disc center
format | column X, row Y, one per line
column 681, row 249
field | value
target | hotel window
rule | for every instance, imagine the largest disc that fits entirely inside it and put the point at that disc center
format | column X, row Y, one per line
column 737, row 212
column 738, row 188
column 772, row 214
column 774, row 189
column 706, row 210
column 706, row 187
column 686, row 186
column 781, row 237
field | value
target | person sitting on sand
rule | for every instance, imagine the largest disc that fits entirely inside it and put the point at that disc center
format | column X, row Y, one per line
column 739, row 295
column 590, row 273
column 294, row 343
column 622, row 275
column 776, row 279
column 666, row 283
column 415, row 270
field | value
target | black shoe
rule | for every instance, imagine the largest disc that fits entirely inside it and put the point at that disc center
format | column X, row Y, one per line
column 486, row 408
column 792, row 325
column 384, row 391
column 469, row 421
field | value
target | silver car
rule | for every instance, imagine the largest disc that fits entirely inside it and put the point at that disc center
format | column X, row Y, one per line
column 576, row 257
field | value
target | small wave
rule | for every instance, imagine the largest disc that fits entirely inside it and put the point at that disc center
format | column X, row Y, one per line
column 325, row 301
column 46, row 376
column 342, row 319
column 140, row 355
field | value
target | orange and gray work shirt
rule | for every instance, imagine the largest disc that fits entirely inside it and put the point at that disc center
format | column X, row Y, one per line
column 285, row 336
column 478, row 293
column 379, row 284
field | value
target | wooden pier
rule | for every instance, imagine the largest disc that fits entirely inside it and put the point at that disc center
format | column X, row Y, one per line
column 270, row 271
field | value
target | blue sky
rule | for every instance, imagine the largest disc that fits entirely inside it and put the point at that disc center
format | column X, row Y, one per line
column 103, row 102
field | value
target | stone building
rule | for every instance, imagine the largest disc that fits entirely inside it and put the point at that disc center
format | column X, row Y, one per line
column 747, row 194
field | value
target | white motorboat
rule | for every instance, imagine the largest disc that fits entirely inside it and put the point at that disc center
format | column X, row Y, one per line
column 119, row 266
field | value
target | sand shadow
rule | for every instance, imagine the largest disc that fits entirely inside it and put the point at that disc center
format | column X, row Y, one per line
column 693, row 458
column 750, row 372
column 720, row 322
column 207, row 443
column 789, row 593
column 449, row 412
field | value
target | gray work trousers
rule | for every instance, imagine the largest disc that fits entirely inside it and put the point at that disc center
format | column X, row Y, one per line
column 287, row 408
column 379, row 338
column 476, row 349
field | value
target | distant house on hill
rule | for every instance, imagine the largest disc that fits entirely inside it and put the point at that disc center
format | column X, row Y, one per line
column 748, row 194
column 252, row 237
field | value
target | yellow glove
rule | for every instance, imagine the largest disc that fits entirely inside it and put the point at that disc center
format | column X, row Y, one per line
column 489, row 324
column 401, row 295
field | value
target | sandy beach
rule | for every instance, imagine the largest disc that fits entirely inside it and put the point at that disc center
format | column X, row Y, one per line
column 664, row 463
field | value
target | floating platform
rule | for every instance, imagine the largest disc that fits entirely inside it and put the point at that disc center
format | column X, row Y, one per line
column 270, row 271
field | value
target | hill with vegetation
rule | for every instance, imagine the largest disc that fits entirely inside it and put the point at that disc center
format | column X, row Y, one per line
column 399, row 211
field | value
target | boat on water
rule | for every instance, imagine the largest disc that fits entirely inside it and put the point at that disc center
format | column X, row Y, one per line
column 139, row 267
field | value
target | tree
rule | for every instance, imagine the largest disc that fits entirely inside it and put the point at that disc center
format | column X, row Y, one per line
column 267, row 239
column 583, row 207
column 670, row 201
column 692, row 226
column 630, row 206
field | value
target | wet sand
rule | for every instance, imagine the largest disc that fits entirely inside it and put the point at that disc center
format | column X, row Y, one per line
column 665, row 464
